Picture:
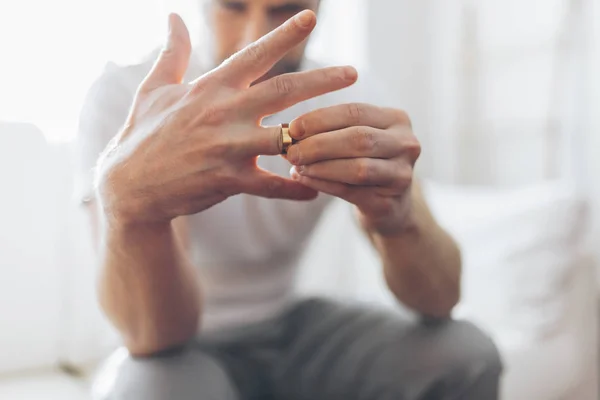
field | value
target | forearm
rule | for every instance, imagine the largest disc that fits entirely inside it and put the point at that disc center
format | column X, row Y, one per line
column 147, row 287
column 422, row 264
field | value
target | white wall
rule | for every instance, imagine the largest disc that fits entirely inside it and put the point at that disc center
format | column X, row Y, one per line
column 48, row 309
column 337, row 41
column 593, row 122
column 30, row 284
column 481, row 109
column 400, row 53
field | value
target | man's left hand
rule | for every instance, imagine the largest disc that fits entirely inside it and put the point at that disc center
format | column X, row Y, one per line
column 363, row 154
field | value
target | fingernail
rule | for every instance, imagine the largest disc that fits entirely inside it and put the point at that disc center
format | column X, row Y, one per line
column 298, row 129
column 294, row 174
column 350, row 73
column 304, row 19
column 301, row 169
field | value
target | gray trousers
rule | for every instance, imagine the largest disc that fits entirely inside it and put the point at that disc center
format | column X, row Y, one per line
column 317, row 350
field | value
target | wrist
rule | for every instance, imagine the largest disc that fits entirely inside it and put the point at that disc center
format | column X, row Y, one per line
column 402, row 220
column 126, row 213
column 134, row 226
column 137, row 234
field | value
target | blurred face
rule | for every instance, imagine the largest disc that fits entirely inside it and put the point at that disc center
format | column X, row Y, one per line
column 237, row 23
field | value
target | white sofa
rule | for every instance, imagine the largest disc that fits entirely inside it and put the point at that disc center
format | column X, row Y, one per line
column 528, row 278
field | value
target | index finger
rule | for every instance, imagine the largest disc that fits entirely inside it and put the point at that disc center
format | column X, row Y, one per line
column 256, row 59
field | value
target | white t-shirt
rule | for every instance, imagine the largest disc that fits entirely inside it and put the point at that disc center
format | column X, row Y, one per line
column 246, row 248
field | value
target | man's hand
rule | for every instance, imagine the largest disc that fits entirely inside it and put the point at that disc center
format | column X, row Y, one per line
column 187, row 147
column 183, row 149
column 360, row 153
column 365, row 155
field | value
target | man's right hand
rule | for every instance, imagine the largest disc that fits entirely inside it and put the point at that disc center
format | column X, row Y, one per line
column 187, row 147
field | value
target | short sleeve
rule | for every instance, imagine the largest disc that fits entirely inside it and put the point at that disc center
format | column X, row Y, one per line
column 102, row 115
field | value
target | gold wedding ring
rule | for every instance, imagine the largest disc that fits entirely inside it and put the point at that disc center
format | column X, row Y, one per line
column 285, row 139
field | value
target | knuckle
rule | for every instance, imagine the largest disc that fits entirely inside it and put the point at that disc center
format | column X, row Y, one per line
column 213, row 115
column 403, row 117
column 355, row 112
column 404, row 179
column 364, row 172
column 303, row 155
column 256, row 53
column 273, row 187
column 220, row 149
column 284, row 84
column 200, row 85
column 364, row 139
column 413, row 148
column 227, row 183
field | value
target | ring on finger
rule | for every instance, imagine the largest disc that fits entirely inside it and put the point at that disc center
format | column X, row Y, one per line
column 285, row 140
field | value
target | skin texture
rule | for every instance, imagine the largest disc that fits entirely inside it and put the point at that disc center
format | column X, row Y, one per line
column 366, row 155
column 203, row 140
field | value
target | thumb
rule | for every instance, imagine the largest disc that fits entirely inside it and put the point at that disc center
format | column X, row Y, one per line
column 174, row 58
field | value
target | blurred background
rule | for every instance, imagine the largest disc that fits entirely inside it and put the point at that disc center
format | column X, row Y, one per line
column 504, row 96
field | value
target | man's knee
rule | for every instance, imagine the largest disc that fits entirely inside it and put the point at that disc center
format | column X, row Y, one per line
column 471, row 365
column 185, row 376
column 476, row 349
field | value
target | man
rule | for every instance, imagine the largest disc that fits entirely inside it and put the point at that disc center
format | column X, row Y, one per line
column 199, row 243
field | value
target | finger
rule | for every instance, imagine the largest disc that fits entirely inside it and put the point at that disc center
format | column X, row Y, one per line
column 354, row 142
column 363, row 197
column 344, row 116
column 271, row 186
column 258, row 141
column 283, row 91
column 346, row 192
column 174, row 58
column 255, row 60
column 355, row 171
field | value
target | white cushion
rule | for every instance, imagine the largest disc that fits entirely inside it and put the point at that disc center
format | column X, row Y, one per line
column 31, row 221
column 563, row 365
column 519, row 245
